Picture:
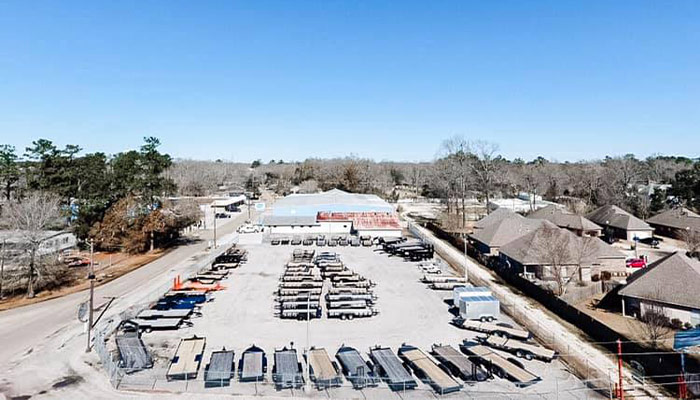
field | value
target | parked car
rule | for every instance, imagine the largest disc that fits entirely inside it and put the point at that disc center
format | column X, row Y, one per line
column 248, row 228
column 636, row 263
column 222, row 215
column 651, row 241
column 77, row 261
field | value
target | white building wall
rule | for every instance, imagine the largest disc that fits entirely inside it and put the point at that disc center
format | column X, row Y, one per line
column 684, row 315
column 293, row 230
column 335, row 227
column 639, row 234
column 380, row 233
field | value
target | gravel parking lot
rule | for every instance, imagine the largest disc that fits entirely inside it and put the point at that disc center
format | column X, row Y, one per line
column 410, row 313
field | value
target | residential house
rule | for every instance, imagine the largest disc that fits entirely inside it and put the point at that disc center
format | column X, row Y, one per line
column 536, row 253
column 670, row 286
column 674, row 222
column 491, row 237
column 562, row 218
column 620, row 224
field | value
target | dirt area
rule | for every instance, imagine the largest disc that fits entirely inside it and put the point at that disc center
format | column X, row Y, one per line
column 121, row 263
column 410, row 313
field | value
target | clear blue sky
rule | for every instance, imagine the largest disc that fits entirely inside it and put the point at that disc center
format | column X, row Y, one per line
column 384, row 79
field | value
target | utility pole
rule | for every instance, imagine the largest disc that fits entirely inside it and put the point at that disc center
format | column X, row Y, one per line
column 91, row 277
column 466, row 261
column 619, row 369
column 2, row 268
column 214, row 227
column 308, row 323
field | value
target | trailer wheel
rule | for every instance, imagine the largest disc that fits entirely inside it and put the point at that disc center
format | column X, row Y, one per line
column 482, row 319
column 529, row 356
column 351, row 316
column 520, row 354
column 500, row 373
column 489, row 319
column 342, row 317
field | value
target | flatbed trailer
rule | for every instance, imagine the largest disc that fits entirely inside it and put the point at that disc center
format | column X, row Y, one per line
column 300, row 278
column 351, row 313
column 297, row 292
column 301, row 314
column 303, row 298
column 524, row 350
column 253, row 365
column 322, row 370
column 301, row 285
column 307, row 242
column 336, row 304
column 389, row 366
column 286, row 372
column 492, row 329
column 359, row 284
column 498, row 365
column 439, row 278
column 220, row 266
column 133, row 353
column 354, row 277
column 348, row 291
column 428, row 370
column 219, row 371
column 368, row 297
column 458, row 364
column 159, row 324
column 291, row 305
column 159, row 314
column 445, row 285
column 356, row 369
column 188, row 357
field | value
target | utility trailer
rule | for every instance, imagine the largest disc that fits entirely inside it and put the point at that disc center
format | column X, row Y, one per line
column 458, row 364
column 395, row 247
column 160, row 314
column 307, row 241
column 296, row 305
column 133, row 353
column 427, row 370
column 499, row 366
column 160, row 324
column 321, row 241
column 348, row 291
column 445, row 285
column 355, row 241
column 296, row 241
column 348, row 278
column 366, row 241
column 301, row 285
column 188, row 356
column 298, row 291
column 253, row 365
column 219, row 371
column 300, row 314
column 358, row 371
column 492, row 329
column 300, row 278
column 390, row 368
column 524, row 350
column 224, row 266
column 287, row 370
column 347, row 304
column 322, row 370
column 438, row 278
column 343, row 241
column 420, row 255
column 351, row 313
column 368, row 297
column 482, row 308
column 300, row 297
column 359, row 284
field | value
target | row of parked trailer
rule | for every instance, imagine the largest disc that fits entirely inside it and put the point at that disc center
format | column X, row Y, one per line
column 349, row 294
column 323, row 240
column 444, row 368
column 409, row 249
column 174, row 309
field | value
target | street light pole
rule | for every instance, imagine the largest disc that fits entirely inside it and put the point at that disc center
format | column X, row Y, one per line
column 466, row 269
column 2, row 268
column 91, row 277
column 214, row 227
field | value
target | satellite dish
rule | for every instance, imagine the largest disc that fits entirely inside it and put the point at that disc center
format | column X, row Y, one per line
column 82, row 312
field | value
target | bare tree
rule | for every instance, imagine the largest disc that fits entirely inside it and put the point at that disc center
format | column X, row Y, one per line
column 691, row 238
column 31, row 217
column 308, row 186
column 457, row 155
column 655, row 324
column 552, row 246
column 484, row 163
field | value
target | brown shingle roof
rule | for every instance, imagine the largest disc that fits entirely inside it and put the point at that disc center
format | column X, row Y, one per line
column 525, row 249
column 677, row 218
column 674, row 279
column 617, row 218
column 506, row 230
column 495, row 216
column 564, row 219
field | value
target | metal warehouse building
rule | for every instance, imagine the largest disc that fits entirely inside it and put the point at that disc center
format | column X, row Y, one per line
column 334, row 212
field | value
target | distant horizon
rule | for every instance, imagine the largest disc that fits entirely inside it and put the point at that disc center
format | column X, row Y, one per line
column 269, row 80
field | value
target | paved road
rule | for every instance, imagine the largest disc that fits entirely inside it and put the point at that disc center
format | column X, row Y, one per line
column 23, row 328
